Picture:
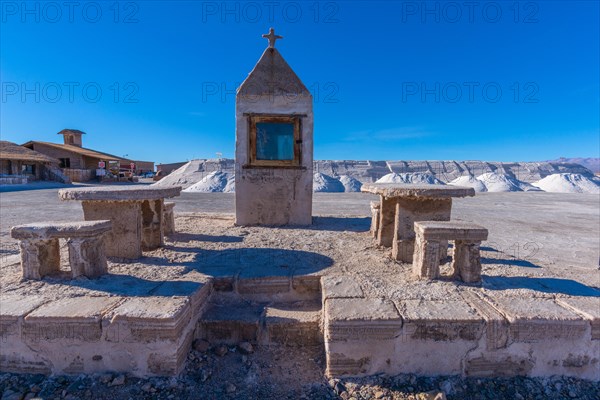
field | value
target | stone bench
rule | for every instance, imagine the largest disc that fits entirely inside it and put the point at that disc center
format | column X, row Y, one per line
column 467, row 237
column 40, row 250
column 375, row 209
column 168, row 218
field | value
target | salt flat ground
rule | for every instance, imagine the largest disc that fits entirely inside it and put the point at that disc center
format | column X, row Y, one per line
column 551, row 229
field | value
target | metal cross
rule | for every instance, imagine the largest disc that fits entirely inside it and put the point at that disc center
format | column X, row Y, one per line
column 272, row 37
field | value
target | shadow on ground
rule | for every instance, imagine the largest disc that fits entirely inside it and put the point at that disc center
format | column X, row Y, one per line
column 244, row 263
column 189, row 237
column 545, row 285
column 509, row 261
column 340, row 224
column 131, row 286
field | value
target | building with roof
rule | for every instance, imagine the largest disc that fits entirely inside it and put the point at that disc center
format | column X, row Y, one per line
column 19, row 164
column 80, row 163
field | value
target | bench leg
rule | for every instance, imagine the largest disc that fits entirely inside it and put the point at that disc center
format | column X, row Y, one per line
column 87, row 256
column 426, row 260
column 39, row 258
column 125, row 238
column 168, row 222
column 466, row 261
column 152, row 224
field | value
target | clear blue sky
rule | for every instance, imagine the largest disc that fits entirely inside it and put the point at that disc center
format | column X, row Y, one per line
column 390, row 80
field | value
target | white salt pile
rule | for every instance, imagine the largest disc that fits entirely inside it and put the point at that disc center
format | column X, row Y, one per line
column 217, row 181
column 416, row 178
column 184, row 176
column 495, row 182
column 326, row 183
column 350, row 184
column 569, row 183
column 469, row 181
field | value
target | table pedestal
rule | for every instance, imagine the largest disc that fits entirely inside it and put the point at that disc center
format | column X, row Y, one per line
column 125, row 238
column 152, row 227
column 385, row 234
column 407, row 211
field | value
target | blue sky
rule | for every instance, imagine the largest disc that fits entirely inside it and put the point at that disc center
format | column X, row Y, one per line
column 496, row 81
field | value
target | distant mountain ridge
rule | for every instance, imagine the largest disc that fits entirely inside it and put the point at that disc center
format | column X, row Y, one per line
column 593, row 164
column 447, row 171
column 365, row 171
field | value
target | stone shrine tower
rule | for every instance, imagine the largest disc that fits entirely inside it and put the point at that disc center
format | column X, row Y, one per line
column 273, row 144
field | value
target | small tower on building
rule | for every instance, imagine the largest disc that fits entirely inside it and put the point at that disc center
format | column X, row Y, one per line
column 72, row 136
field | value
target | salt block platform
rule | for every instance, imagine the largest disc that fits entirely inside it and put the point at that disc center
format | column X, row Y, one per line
column 469, row 333
column 144, row 335
column 326, row 285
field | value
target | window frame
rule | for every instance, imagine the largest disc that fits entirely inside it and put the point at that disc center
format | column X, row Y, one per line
column 294, row 119
column 65, row 162
column 28, row 169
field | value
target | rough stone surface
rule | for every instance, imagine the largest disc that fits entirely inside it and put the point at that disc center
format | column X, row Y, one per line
column 136, row 213
column 151, row 318
column 295, row 324
column 440, row 320
column 588, row 307
column 361, row 319
column 496, row 325
column 40, row 255
column 87, row 257
column 426, row 260
column 410, row 210
column 168, row 218
column 50, row 327
column 152, row 224
column 119, row 193
column 337, row 287
column 433, row 235
column 386, row 232
column 375, row 211
column 451, row 230
column 466, row 261
column 537, row 319
column 391, row 190
column 39, row 258
column 53, row 230
column 125, row 238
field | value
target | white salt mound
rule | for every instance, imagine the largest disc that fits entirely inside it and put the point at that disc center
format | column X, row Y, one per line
column 569, row 183
column 495, row 182
column 350, row 184
column 184, row 176
column 326, row 183
column 217, row 181
column 469, row 181
column 415, row 178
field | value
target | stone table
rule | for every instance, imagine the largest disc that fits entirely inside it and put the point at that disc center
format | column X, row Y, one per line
column 136, row 214
column 403, row 204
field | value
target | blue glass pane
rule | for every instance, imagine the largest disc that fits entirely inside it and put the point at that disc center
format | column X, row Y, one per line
column 274, row 141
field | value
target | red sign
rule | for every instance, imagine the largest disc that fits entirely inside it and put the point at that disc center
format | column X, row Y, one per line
column 101, row 164
column 132, row 165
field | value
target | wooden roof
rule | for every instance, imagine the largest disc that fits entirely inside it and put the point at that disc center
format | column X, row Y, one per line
column 78, row 150
column 12, row 151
